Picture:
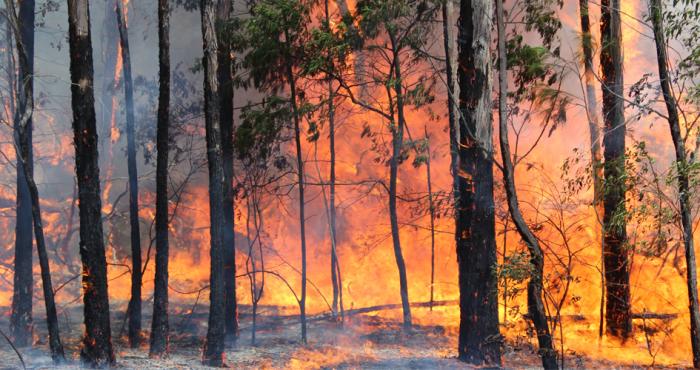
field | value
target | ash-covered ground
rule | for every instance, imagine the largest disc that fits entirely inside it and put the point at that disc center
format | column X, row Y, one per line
column 366, row 341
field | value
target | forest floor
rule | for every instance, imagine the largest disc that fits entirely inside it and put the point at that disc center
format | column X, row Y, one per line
column 363, row 342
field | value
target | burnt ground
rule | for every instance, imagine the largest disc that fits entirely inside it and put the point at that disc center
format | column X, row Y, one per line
column 362, row 342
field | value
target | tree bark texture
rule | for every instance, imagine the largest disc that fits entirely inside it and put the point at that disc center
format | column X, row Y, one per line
column 618, row 313
column 160, row 324
column 535, row 300
column 674, row 125
column 216, row 331
column 134, row 308
column 479, row 337
column 97, row 343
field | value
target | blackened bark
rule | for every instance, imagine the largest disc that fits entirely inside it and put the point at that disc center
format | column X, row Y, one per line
column 397, row 146
column 160, row 325
column 214, row 347
column 535, row 301
column 226, row 110
column 479, row 337
column 300, row 177
column 674, row 125
column 97, row 342
column 618, row 313
column 21, row 317
column 134, row 308
column 23, row 117
column 594, row 134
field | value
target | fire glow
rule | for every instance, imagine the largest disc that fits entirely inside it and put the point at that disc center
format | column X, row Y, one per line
column 364, row 244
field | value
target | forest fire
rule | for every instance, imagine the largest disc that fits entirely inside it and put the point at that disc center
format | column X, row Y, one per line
column 343, row 162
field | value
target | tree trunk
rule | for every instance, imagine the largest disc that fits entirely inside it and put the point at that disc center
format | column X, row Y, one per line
column 134, row 309
column 109, row 39
column 618, row 314
column 475, row 233
column 335, row 265
column 656, row 12
column 160, row 325
column 226, row 109
column 302, row 203
column 397, row 146
column 535, row 303
column 97, row 342
column 23, row 118
column 594, row 133
column 431, row 208
column 214, row 348
column 21, row 317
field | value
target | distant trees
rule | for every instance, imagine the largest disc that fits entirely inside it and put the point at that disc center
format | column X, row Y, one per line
column 275, row 34
column 388, row 34
column 160, row 324
column 97, row 342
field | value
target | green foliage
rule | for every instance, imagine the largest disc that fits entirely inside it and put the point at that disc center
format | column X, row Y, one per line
column 274, row 37
column 327, row 50
column 533, row 66
column 515, row 270
column 541, row 16
column 257, row 136
column 682, row 23
column 394, row 17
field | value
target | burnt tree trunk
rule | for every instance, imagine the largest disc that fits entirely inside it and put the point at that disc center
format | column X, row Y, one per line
column 535, row 301
column 21, row 317
column 97, row 342
column 618, row 313
column 159, row 324
column 23, row 145
column 300, row 177
column 594, row 134
column 475, row 232
column 134, row 308
column 397, row 146
column 216, row 331
column 674, row 125
column 226, row 111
